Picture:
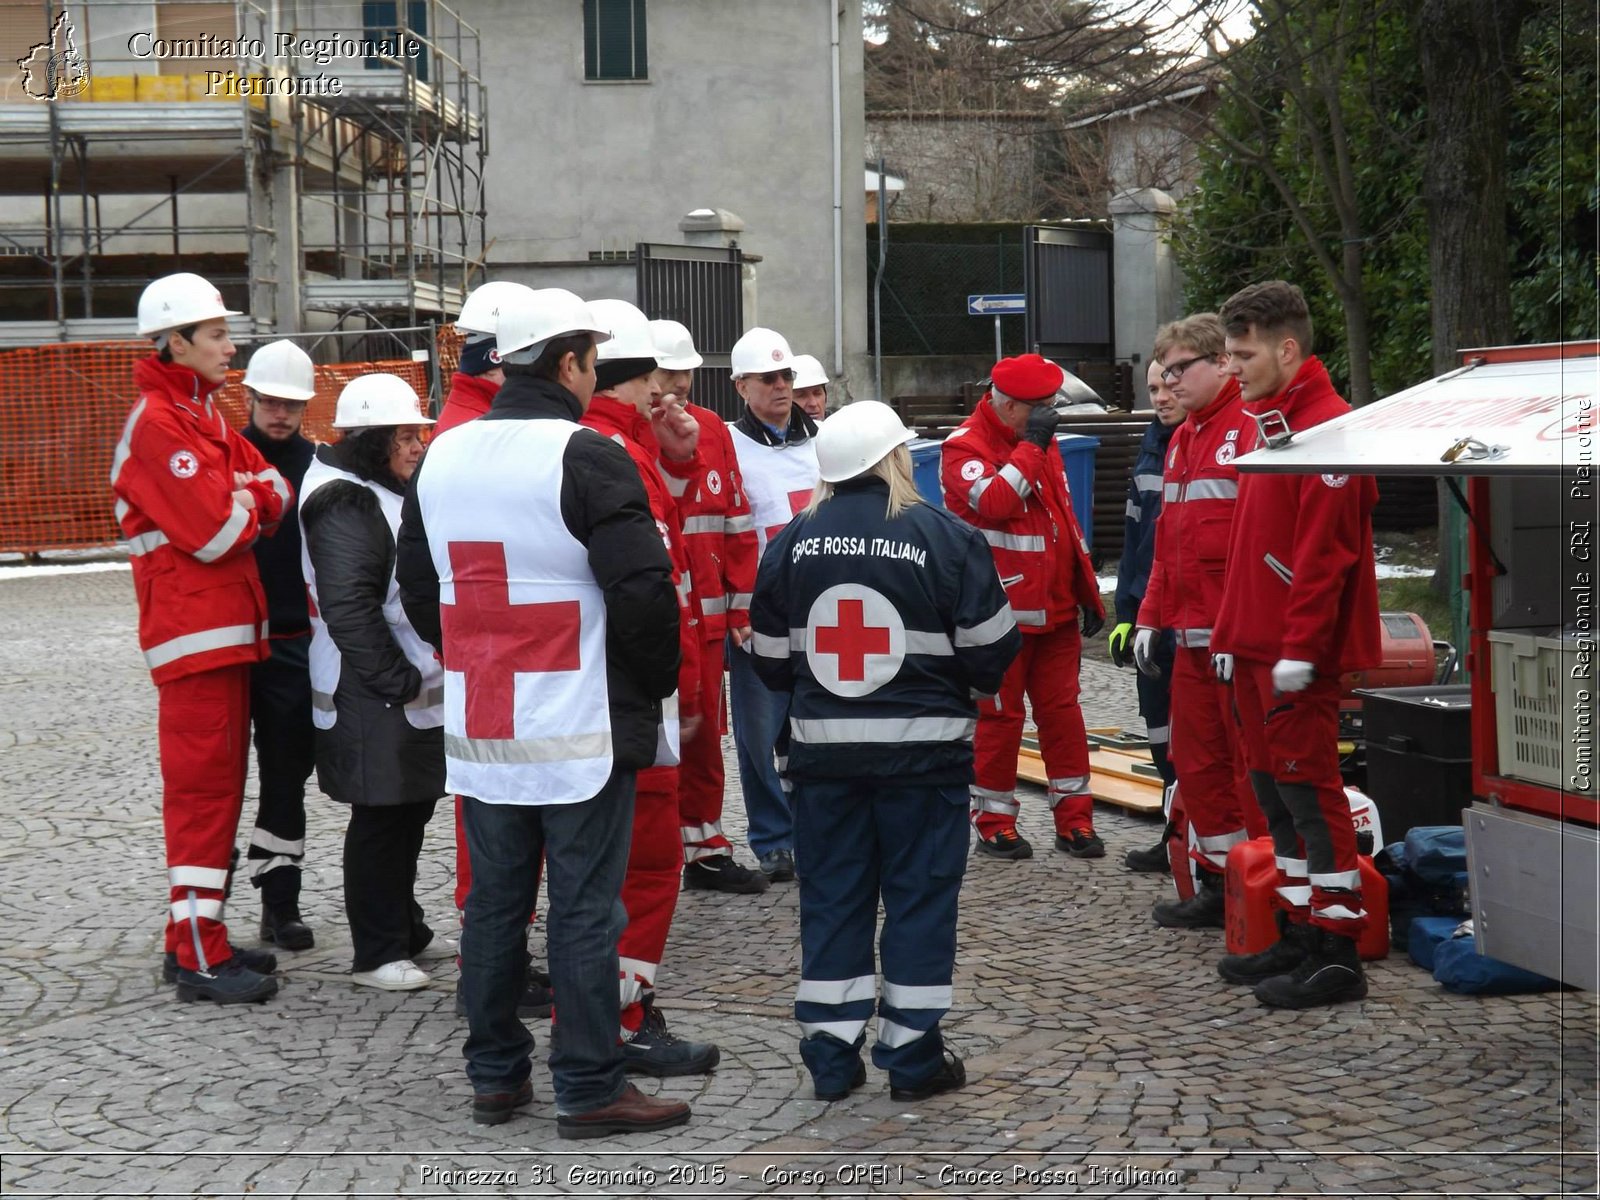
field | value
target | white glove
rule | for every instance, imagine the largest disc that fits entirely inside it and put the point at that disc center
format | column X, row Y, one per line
column 1222, row 667
column 1144, row 644
column 1291, row 675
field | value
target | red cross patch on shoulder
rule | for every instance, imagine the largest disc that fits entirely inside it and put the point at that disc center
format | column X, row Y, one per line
column 184, row 464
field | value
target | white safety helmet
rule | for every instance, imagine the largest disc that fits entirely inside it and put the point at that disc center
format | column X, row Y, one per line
column 630, row 331
column 378, row 399
column 178, row 301
column 527, row 323
column 281, row 369
column 856, row 438
column 759, row 351
column 480, row 312
column 808, row 372
column 674, row 346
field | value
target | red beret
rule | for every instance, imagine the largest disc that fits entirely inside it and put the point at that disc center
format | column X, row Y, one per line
column 1028, row 377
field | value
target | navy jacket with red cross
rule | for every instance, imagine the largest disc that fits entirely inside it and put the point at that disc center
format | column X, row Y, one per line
column 883, row 630
column 1139, row 528
column 1017, row 496
column 1302, row 583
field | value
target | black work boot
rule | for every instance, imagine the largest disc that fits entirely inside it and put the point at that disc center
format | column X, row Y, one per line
column 1203, row 910
column 1155, row 860
column 229, row 982
column 1329, row 974
column 1284, row 955
column 281, row 925
column 262, row 962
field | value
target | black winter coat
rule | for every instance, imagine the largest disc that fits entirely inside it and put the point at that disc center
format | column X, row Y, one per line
column 604, row 506
column 372, row 755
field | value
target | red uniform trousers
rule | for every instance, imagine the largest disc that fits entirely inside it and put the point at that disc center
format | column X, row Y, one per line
column 701, row 776
column 1293, row 740
column 650, row 888
column 204, row 736
column 1209, row 759
column 1047, row 670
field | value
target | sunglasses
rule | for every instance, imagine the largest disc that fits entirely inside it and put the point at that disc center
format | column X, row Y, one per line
column 1175, row 372
column 771, row 377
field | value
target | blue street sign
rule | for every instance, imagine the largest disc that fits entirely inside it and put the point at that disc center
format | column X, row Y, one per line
column 996, row 303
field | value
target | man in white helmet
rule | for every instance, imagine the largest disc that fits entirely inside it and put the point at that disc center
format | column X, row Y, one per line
column 778, row 463
column 192, row 496
column 719, row 537
column 279, row 382
column 882, row 616
column 811, row 387
column 529, row 557
column 478, row 375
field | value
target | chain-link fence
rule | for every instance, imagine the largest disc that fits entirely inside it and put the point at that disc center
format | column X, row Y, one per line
column 925, row 290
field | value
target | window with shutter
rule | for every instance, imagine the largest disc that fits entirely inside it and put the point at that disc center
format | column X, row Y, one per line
column 614, row 46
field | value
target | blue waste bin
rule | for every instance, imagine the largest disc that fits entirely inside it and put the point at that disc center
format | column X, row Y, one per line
column 1077, row 455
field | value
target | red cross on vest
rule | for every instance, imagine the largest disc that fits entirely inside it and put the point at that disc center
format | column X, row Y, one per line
column 489, row 640
column 797, row 501
column 851, row 640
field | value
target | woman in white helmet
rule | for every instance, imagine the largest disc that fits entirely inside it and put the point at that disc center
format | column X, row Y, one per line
column 882, row 616
column 192, row 496
column 377, row 691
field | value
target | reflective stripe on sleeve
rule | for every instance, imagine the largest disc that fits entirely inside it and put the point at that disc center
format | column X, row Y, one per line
column 702, row 524
column 1159, row 735
column 279, row 484
column 1015, row 478
column 675, row 486
column 221, row 638
column 226, row 537
column 1147, row 483
column 921, row 642
column 507, row 751
column 1278, row 569
column 1132, row 511
column 713, row 606
column 739, row 600
column 845, row 730
column 977, row 490
column 835, row 991
column 1192, row 639
column 1028, row 543
column 1169, row 493
column 986, row 633
column 215, row 878
column 125, row 443
column 770, row 647
column 743, row 523
column 1029, row 616
column 143, row 543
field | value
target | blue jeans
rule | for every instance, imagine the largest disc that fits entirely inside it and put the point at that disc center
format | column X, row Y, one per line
column 585, row 850
column 758, row 717
column 859, row 841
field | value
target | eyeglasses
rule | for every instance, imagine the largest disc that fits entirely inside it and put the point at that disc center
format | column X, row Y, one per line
column 771, row 377
column 1175, row 372
column 280, row 405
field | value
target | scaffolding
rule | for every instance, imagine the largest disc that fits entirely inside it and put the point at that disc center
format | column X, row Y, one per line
column 365, row 207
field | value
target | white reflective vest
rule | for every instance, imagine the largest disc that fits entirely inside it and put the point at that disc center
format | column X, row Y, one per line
column 427, row 710
column 527, row 715
column 778, row 481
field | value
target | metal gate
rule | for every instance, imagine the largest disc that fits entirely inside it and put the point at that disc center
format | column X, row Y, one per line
column 1067, row 275
column 701, row 286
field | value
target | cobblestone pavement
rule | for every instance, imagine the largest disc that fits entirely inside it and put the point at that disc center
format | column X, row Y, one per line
column 1098, row 1045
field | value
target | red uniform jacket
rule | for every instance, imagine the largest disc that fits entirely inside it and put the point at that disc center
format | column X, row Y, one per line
column 662, row 477
column 470, row 397
column 200, row 600
column 1016, row 494
column 1302, row 583
column 1200, row 489
column 719, row 532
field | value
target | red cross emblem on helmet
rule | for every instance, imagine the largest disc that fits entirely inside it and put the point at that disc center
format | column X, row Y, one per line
column 777, row 354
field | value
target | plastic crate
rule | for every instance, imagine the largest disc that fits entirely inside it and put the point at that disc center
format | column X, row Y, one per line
column 1537, row 682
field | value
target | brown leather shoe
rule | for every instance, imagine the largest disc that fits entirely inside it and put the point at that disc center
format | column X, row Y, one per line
column 631, row 1112
column 494, row 1108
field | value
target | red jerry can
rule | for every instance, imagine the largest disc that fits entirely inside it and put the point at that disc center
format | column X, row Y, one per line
column 1252, row 878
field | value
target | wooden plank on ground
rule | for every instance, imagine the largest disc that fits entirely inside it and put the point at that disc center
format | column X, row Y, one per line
column 1111, row 777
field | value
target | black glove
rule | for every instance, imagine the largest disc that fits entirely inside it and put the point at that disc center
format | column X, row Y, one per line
column 1092, row 622
column 1041, row 427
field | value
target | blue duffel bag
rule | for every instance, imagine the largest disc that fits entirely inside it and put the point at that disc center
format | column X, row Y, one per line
column 1460, row 968
column 1437, row 853
column 1426, row 935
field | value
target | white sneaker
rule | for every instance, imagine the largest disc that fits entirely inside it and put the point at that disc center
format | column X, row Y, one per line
column 401, row 976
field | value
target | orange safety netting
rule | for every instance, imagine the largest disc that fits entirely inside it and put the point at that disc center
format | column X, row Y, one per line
column 62, row 408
